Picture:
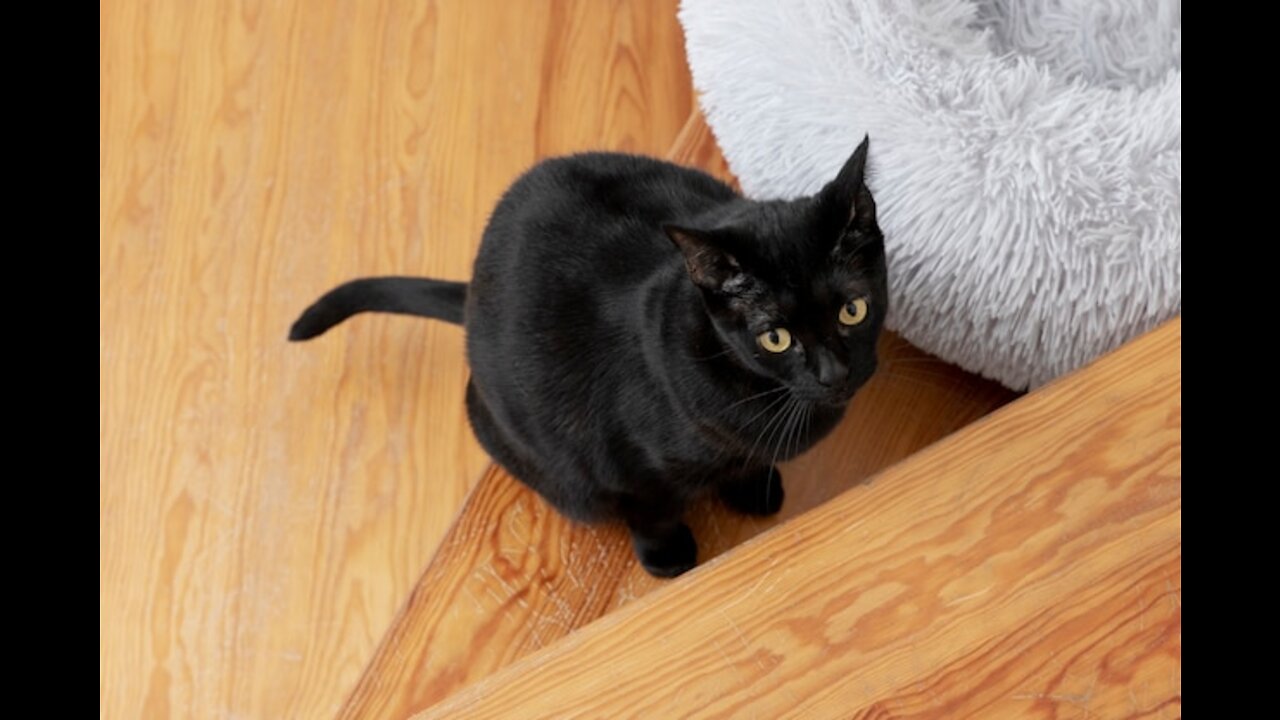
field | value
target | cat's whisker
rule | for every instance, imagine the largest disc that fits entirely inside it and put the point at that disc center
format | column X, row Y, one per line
column 722, row 353
column 792, row 410
column 802, row 429
column 808, row 423
column 791, row 427
column 754, row 397
column 803, row 433
column 773, row 463
column 776, row 417
column 766, row 409
column 784, row 417
column 798, row 435
column 725, row 450
column 780, row 418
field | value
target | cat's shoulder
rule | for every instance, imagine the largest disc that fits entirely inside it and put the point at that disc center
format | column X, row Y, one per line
column 610, row 167
column 608, row 162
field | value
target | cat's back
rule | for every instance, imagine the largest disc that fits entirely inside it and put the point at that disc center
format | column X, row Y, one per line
column 575, row 211
column 614, row 185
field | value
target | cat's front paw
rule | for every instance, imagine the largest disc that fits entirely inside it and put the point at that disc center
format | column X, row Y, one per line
column 759, row 493
column 669, row 556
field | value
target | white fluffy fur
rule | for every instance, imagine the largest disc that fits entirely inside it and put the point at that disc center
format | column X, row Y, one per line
column 1026, row 156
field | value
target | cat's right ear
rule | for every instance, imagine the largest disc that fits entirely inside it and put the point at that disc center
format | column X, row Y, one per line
column 848, row 195
column 710, row 266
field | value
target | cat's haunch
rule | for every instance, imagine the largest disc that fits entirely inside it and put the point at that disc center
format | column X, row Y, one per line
column 639, row 334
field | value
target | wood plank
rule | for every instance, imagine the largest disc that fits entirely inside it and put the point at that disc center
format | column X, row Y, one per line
column 512, row 577
column 1027, row 566
column 265, row 508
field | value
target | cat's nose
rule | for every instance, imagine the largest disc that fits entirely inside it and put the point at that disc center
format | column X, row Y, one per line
column 830, row 371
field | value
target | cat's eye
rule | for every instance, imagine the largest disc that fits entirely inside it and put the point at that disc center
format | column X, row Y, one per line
column 776, row 340
column 853, row 312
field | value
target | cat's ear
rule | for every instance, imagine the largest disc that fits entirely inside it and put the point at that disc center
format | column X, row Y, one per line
column 848, row 195
column 710, row 266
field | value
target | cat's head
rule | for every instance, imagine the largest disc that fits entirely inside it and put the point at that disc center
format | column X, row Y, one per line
column 797, row 289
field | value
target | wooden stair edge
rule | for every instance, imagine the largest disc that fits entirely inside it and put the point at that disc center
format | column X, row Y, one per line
column 512, row 576
column 1029, row 561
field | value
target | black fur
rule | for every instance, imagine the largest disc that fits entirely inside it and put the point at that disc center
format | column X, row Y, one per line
column 612, row 331
column 437, row 299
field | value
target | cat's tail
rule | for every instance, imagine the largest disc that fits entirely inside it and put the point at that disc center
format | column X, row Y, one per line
column 439, row 299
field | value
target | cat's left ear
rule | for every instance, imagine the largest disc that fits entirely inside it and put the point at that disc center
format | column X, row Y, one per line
column 848, row 195
column 710, row 266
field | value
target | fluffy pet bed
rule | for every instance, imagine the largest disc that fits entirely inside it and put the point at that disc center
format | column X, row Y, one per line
column 1026, row 156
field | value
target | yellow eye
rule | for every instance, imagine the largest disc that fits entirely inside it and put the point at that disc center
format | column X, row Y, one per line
column 776, row 340
column 853, row 312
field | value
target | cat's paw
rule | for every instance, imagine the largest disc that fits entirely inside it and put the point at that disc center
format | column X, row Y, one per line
column 757, row 494
column 674, row 554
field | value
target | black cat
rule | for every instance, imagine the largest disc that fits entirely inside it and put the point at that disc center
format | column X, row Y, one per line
column 640, row 334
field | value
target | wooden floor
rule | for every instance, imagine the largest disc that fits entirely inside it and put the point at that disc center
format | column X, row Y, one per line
column 265, row 508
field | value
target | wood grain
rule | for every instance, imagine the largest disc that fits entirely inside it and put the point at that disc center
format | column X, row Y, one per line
column 1027, row 566
column 266, row 508
column 512, row 577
